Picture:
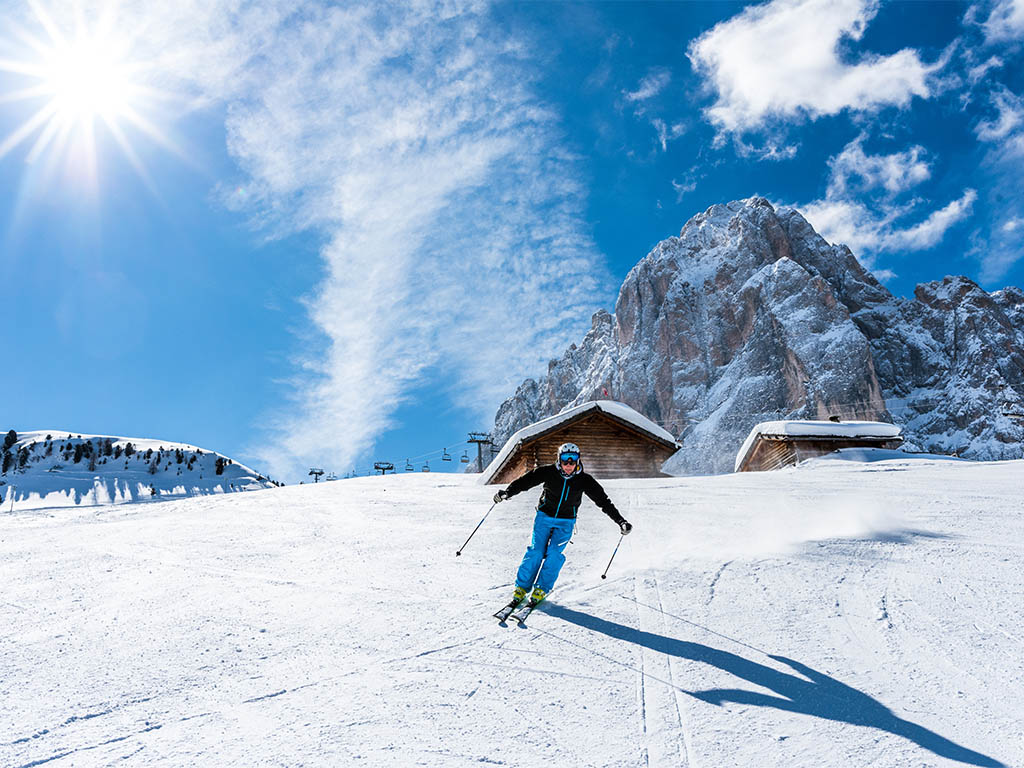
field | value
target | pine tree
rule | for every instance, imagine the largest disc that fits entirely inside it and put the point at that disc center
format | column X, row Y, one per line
column 8, row 460
column 78, row 452
column 220, row 465
column 11, row 439
column 129, row 449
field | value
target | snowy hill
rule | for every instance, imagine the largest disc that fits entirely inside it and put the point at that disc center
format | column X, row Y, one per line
column 838, row 614
column 54, row 468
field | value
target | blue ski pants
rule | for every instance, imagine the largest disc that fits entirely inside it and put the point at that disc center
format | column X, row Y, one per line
column 544, row 555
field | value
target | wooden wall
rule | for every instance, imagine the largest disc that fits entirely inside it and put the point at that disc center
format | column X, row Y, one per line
column 609, row 450
column 775, row 452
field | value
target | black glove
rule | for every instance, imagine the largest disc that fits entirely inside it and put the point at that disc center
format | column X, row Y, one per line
column 625, row 527
column 500, row 496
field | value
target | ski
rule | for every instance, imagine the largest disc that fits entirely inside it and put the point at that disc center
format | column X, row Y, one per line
column 505, row 612
column 524, row 610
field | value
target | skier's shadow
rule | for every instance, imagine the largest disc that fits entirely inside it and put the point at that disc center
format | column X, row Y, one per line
column 813, row 694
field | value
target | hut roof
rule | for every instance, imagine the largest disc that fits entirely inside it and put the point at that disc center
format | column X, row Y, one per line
column 816, row 429
column 618, row 411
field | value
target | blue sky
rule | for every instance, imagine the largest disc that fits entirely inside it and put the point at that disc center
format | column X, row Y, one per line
column 327, row 236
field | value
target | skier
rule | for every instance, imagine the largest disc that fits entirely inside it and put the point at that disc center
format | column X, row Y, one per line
column 564, row 485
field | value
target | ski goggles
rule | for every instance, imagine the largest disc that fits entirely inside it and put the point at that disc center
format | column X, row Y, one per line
column 567, row 458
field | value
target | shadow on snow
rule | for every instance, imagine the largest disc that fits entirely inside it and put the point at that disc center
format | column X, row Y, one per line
column 818, row 695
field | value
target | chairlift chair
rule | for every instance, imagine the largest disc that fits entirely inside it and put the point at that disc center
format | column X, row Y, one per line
column 426, row 466
column 409, row 467
column 465, row 457
column 445, row 456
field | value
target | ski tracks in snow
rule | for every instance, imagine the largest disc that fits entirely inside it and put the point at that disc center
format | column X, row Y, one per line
column 667, row 740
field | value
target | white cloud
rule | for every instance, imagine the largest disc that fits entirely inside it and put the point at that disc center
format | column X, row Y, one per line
column 872, row 230
column 998, row 244
column 651, row 85
column 409, row 137
column 884, row 275
column 683, row 188
column 977, row 72
column 782, row 60
column 1010, row 117
column 861, row 207
column 1005, row 22
column 456, row 238
column 849, row 222
column 667, row 133
column 930, row 232
column 853, row 170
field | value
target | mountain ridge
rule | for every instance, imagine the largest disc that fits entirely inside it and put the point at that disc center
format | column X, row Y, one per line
column 750, row 315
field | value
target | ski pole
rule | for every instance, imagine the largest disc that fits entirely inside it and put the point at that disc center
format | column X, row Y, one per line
column 475, row 529
column 605, row 574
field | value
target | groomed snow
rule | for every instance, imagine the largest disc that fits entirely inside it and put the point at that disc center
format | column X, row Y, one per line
column 839, row 614
column 816, row 429
column 619, row 410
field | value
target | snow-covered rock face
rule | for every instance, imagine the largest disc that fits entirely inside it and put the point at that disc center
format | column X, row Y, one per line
column 749, row 315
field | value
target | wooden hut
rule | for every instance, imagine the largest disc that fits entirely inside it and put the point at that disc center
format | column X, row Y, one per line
column 615, row 441
column 777, row 444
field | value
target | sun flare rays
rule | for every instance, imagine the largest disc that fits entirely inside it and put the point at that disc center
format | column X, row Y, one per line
column 75, row 84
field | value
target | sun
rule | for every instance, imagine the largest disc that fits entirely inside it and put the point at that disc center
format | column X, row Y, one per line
column 86, row 80
column 76, row 83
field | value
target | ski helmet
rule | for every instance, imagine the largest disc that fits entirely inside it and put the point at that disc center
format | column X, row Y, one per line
column 570, row 449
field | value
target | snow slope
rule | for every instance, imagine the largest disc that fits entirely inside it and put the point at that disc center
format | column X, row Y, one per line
column 105, row 474
column 836, row 614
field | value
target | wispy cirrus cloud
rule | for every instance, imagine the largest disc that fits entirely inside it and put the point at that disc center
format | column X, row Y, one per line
column 783, row 61
column 1005, row 21
column 1009, row 116
column 653, row 83
column 410, row 138
column 997, row 244
column 648, row 89
column 667, row 132
column 456, row 240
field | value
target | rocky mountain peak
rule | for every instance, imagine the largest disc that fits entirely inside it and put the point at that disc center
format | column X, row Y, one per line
column 750, row 315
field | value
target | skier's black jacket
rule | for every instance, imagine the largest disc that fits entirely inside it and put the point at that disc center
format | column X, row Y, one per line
column 562, row 495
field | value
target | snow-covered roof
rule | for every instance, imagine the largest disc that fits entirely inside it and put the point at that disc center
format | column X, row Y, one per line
column 849, row 429
column 618, row 410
